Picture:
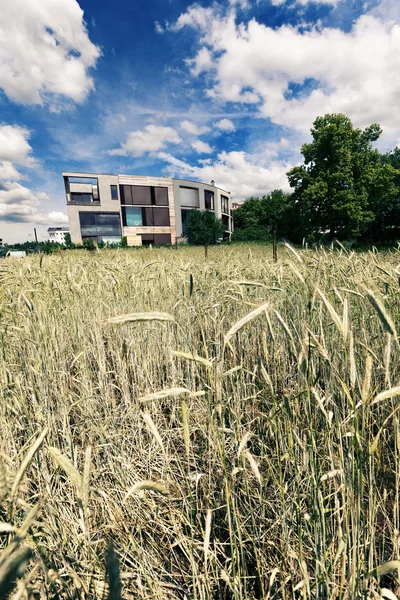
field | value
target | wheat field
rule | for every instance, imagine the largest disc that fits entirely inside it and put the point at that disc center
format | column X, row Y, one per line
column 175, row 427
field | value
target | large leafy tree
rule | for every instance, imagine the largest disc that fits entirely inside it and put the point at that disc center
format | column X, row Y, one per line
column 334, row 188
column 256, row 218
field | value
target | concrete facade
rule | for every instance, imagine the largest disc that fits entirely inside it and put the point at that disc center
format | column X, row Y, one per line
column 142, row 201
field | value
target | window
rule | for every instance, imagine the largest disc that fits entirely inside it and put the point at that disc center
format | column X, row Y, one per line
column 157, row 238
column 185, row 221
column 189, row 196
column 141, row 194
column 160, row 196
column 100, row 224
column 114, row 192
column 162, row 238
column 132, row 216
column 209, row 199
column 81, row 198
column 225, row 205
column 161, row 217
column 225, row 221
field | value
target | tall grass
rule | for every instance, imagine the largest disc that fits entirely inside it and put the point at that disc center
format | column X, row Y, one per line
column 175, row 428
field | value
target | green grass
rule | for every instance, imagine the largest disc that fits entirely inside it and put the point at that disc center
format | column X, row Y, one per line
column 174, row 455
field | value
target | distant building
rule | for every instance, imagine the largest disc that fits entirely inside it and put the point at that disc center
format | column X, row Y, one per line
column 145, row 210
column 57, row 234
column 236, row 205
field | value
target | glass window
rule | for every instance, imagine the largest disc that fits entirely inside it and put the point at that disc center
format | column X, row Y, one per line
column 90, row 180
column 161, row 196
column 132, row 216
column 148, row 219
column 225, row 204
column 225, row 221
column 189, row 196
column 114, row 192
column 108, row 224
column 162, row 238
column 126, row 194
column 185, row 221
column 80, row 198
column 209, row 199
column 103, row 224
column 147, row 239
column 141, row 194
column 161, row 217
column 88, row 223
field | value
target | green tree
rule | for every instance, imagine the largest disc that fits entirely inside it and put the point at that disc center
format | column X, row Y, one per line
column 256, row 218
column 334, row 187
column 204, row 229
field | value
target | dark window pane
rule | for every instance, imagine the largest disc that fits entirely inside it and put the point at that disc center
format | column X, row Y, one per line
column 162, row 238
column 161, row 196
column 141, row 194
column 114, row 192
column 147, row 239
column 185, row 221
column 148, row 216
column 108, row 224
column 161, row 217
column 88, row 223
column 126, row 194
column 209, row 199
column 80, row 198
column 225, row 221
column 225, row 204
column 132, row 216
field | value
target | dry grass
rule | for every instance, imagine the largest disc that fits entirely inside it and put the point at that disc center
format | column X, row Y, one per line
column 231, row 434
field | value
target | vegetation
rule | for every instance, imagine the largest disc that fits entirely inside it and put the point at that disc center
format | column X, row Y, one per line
column 182, row 429
column 204, row 229
column 345, row 189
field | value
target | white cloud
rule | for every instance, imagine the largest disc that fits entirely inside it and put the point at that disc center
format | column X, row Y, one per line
column 151, row 139
column 225, row 125
column 45, row 51
column 202, row 147
column 242, row 174
column 354, row 72
column 192, row 128
column 19, row 204
column 14, row 145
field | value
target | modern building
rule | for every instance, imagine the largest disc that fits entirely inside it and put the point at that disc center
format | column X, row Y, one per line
column 57, row 234
column 145, row 210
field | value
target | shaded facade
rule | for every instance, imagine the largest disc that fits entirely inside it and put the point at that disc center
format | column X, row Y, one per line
column 145, row 210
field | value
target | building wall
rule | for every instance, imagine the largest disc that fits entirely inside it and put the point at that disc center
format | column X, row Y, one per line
column 108, row 205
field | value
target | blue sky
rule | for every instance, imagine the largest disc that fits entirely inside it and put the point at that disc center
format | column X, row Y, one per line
column 208, row 90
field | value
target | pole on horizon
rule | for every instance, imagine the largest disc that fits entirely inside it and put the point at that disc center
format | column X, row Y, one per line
column 36, row 240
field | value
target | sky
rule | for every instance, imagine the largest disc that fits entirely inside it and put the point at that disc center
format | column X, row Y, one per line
column 224, row 91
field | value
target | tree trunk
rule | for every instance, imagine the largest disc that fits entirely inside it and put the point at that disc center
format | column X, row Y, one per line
column 274, row 246
column 205, row 250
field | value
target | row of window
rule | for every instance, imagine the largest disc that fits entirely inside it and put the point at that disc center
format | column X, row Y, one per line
column 141, row 195
column 146, row 216
column 144, row 195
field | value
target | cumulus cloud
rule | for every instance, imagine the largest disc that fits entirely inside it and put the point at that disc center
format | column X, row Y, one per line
column 19, row 204
column 192, row 128
column 14, row 145
column 202, row 147
column 305, row 2
column 292, row 75
column 243, row 174
column 45, row 51
column 151, row 139
column 225, row 125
